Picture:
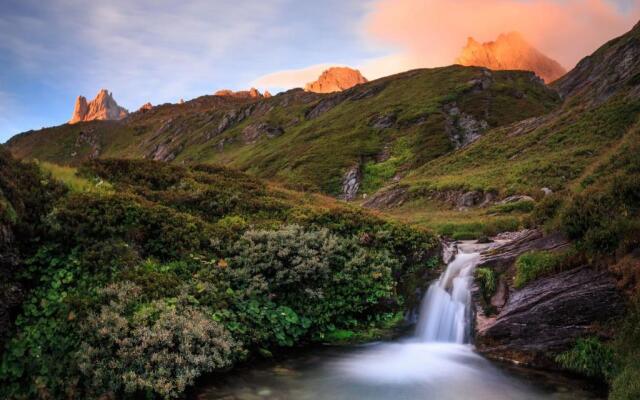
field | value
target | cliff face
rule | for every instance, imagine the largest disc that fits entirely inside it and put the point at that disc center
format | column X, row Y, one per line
column 510, row 51
column 103, row 107
column 336, row 79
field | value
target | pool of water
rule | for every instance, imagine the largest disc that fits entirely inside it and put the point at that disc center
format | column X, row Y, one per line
column 391, row 371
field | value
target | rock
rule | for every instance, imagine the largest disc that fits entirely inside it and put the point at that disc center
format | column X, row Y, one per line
column 103, row 107
column 336, row 79
column 252, row 93
column 254, row 131
column 388, row 198
column 516, row 198
column 351, row 183
column 383, row 121
column 510, row 52
column 463, row 128
column 145, row 107
column 90, row 138
column 546, row 191
column 510, row 245
column 546, row 316
column 267, row 94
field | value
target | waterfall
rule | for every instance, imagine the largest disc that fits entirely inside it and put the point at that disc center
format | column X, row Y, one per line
column 445, row 313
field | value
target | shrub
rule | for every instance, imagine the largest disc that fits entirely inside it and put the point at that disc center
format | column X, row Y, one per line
column 534, row 264
column 157, row 348
column 331, row 281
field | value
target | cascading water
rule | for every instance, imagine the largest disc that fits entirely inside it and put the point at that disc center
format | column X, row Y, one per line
column 445, row 314
column 436, row 364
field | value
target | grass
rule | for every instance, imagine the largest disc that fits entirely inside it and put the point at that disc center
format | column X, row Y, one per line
column 75, row 183
column 533, row 265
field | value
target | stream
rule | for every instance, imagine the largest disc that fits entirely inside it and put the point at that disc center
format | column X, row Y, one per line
column 436, row 363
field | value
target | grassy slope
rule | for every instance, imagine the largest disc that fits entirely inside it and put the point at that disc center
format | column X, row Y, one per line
column 312, row 152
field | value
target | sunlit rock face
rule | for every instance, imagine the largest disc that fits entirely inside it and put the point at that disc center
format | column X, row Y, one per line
column 252, row 93
column 103, row 107
column 336, row 79
column 510, row 51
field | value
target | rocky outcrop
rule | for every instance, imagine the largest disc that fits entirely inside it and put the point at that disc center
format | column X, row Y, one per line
column 88, row 137
column 145, row 107
column 388, row 198
column 510, row 52
column 546, row 316
column 336, row 79
column 103, row 107
column 252, row 132
column 533, row 323
column 252, row 93
column 351, row 183
column 613, row 68
column 463, row 128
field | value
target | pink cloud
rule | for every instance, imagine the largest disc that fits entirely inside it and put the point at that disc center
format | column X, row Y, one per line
column 432, row 32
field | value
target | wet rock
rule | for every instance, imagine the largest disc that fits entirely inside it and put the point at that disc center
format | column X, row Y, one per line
column 546, row 316
column 510, row 245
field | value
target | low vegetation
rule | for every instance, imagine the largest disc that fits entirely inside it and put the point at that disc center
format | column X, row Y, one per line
column 175, row 272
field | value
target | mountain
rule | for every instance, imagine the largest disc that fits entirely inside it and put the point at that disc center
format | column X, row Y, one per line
column 510, row 51
column 103, row 107
column 374, row 132
column 336, row 79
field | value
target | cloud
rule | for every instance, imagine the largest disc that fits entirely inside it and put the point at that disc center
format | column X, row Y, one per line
column 148, row 49
column 432, row 32
column 290, row 78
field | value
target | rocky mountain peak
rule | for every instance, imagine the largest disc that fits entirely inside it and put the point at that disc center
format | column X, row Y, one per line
column 102, row 107
column 336, row 79
column 252, row 93
column 510, row 51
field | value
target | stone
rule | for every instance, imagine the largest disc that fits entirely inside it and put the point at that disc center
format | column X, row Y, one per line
column 510, row 51
column 351, row 183
column 546, row 191
column 336, row 79
column 516, row 198
column 102, row 107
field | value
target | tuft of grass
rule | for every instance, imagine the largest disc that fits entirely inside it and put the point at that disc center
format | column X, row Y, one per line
column 486, row 277
column 589, row 357
column 533, row 265
column 523, row 206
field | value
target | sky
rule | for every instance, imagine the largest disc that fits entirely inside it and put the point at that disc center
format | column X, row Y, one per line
column 165, row 50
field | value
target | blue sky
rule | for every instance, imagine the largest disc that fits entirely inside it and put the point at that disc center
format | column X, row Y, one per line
column 161, row 50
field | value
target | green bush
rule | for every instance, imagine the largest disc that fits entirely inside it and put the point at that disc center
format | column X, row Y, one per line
column 534, row 264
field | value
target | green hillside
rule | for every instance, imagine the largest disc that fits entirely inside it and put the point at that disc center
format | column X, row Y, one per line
column 308, row 140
